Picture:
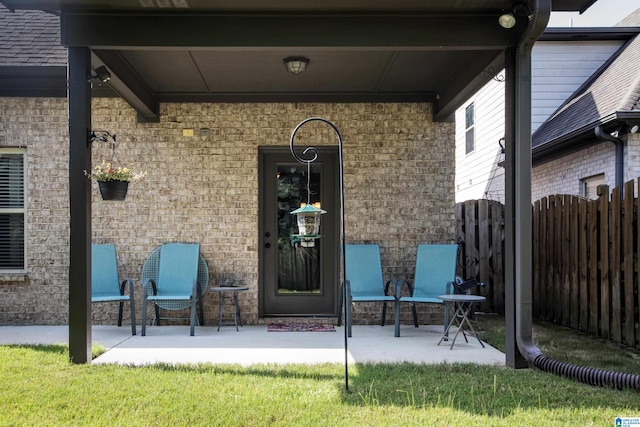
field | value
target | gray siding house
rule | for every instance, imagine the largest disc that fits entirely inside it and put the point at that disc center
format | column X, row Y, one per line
column 568, row 157
column 592, row 138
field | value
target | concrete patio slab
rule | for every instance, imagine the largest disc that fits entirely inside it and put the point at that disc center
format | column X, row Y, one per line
column 253, row 344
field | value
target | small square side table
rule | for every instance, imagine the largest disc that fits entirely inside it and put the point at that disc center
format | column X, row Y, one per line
column 237, row 315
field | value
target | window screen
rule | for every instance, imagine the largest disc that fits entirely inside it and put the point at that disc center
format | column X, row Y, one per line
column 12, row 211
column 470, row 120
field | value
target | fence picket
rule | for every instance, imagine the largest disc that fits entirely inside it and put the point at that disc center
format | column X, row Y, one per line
column 496, row 282
column 551, row 253
column 484, row 268
column 544, row 268
column 628, row 333
column 594, row 294
column 565, row 256
column 605, row 319
column 557, row 276
column 616, row 263
column 583, row 264
column 471, row 228
column 572, row 264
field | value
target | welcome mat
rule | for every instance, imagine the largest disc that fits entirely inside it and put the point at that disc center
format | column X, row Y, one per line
column 300, row 328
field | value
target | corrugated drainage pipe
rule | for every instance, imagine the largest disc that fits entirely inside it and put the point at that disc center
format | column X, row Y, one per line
column 591, row 376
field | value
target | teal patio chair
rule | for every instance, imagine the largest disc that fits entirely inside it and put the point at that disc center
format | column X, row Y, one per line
column 175, row 277
column 364, row 282
column 435, row 273
column 105, row 281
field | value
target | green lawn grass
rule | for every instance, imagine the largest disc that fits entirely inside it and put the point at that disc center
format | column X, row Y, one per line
column 38, row 386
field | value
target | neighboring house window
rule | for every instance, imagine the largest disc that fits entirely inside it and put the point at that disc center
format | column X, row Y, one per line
column 12, row 210
column 589, row 186
column 470, row 121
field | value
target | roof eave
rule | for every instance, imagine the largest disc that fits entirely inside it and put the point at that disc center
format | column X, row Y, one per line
column 589, row 33
column 584, row 135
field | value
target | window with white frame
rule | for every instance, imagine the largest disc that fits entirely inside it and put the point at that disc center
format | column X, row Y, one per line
column 12, row 210
column 469, row 126
column 589, row 186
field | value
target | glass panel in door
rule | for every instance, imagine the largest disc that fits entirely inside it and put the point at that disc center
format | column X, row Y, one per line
column 298, row 258
column 298, row 275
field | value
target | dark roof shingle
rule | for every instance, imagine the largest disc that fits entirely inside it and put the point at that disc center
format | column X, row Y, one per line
column 30, row 38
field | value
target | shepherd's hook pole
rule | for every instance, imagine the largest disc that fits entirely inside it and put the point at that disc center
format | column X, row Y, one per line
column 313, row 151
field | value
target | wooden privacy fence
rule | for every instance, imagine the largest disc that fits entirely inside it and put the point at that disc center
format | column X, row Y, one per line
column 480, row 230
column 585, row 260
column 585, row 263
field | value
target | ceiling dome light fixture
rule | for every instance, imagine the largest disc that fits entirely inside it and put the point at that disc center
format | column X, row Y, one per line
column 296, row 64
column 507, row 20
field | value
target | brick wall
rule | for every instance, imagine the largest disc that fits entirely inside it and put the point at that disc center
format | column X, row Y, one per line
column 398, row 186
column 41, row 126
column 563, row 175
column 632, row 159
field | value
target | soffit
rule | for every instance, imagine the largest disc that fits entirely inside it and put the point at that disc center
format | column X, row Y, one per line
column 438, row 51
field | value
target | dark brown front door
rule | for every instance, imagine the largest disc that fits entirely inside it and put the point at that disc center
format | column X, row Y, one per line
column 297, row 278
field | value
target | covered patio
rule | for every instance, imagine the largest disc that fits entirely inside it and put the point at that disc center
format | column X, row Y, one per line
column 175, row 63
column 253, row 345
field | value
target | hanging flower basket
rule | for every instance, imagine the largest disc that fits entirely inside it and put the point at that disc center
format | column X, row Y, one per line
column 113, row 181
column 113, row 190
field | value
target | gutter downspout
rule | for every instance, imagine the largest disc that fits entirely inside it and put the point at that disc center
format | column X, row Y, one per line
column 522, row 217
column 619, row 143
column 522, row 182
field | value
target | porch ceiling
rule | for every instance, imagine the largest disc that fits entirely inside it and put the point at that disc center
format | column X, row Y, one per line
column 439, row 51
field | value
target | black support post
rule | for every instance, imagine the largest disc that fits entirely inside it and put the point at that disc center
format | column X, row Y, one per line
column 513, row 193
column 79, row 99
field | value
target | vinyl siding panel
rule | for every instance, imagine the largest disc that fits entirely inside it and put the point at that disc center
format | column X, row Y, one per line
column 558, row 69
column 475, row 171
